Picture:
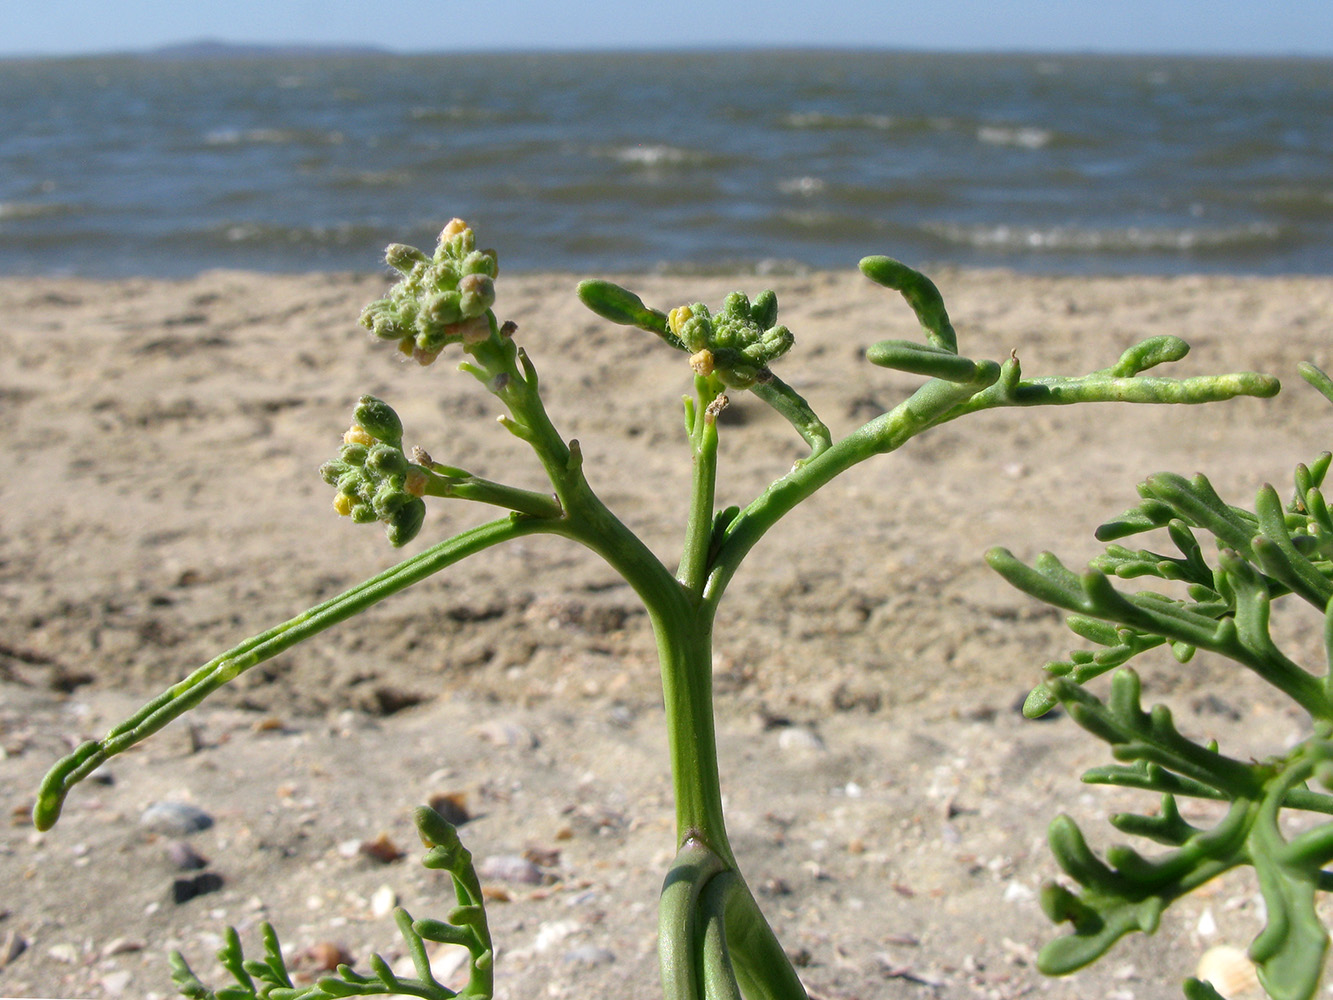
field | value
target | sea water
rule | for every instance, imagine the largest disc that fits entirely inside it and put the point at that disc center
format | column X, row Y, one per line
column 755, row 160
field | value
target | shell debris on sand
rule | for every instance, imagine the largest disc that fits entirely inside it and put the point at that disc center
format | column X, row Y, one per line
column 1230, row 971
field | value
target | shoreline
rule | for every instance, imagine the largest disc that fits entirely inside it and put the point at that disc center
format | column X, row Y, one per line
column 768, row 268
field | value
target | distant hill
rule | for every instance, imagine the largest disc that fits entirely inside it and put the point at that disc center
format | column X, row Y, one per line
column 208, row 48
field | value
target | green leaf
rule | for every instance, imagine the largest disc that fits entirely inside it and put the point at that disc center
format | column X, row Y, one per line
column 920, row 293
column 1148, row 354
column 619, row 305
column 1197, row 989
column 1317, row 378
column 920, row 359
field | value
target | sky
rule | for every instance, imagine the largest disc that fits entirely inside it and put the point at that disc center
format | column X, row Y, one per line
column 1197, row 27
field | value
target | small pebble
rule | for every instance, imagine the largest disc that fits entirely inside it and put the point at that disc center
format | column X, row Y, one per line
column 383, row 901
column 381, row 849
column 12, row 946
column 553, row 932
column 349, row 848
column 452, row 806
column 449, row 963
column 510, row 868
column 183, row 857
column 1017, row 892
column 175, row 819
column 114, row 983
column 590, row 954
column 1207, row 925
column 506, row 734
column 799, row 740
column 121, row 946
column 64, row 952
column 350, row 722
column 326, row 956
column 622, row 716
column 546, row 857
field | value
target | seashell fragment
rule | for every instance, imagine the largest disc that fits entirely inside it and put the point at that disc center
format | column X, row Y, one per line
column 175, row 819
column 1230, row 971
column 510, row 868
column 383, row 901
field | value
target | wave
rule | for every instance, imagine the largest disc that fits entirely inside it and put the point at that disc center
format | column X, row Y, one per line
column 822, row 120
column 276, row 236
column 804, row 186
column 653, row 156
column 457, row 114
column 1020, row 136
column 20, row 211
column 273, row 137
column 372, row 179
column 761, row 267
column 1301, row 204
column 1112, row 240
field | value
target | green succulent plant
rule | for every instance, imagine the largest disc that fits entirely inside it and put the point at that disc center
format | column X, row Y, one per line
column 1234, row 565
column 714, row 941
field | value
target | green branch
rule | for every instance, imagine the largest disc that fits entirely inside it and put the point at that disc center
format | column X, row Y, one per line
column 1262, row 556
column 186, row 694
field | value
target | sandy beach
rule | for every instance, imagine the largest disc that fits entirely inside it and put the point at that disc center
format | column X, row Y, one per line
column 886, row 800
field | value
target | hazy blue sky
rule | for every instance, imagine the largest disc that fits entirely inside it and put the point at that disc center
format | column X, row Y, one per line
column 1186, row 26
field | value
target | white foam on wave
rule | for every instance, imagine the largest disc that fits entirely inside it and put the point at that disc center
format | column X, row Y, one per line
column 1132, row 239
column 821, row 119
column 801, row 185
column 269, row 137
column 13, row 211
column 654, row 155
column 1022, row 136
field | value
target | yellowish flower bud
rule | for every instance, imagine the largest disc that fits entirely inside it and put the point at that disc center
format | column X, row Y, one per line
column 454, row 227
column 356, row 434
column 677, row 318
column 342, row 503
column 702, row 363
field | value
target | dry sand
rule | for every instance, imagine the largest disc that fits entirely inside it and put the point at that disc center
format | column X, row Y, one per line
column 160, row 502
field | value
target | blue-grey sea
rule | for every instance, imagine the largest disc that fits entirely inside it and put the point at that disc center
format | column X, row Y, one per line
column 755, row 160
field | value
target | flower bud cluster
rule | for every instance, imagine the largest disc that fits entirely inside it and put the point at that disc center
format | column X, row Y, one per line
column 440, row 300
column 738, row 343
column 374, row 479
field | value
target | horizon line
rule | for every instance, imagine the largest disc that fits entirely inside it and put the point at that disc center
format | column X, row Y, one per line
column 211, row 47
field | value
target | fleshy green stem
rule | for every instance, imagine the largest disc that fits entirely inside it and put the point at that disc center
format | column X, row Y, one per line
column 701, row 416
column 186, row 694
column 684, row 636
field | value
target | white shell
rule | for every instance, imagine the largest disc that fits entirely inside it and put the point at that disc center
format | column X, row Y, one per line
column 1230, row 971
column 383, row 901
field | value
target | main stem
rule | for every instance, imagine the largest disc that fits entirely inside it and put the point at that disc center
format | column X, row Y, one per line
column 683, row 628
column 685, row 650
column 736, row 934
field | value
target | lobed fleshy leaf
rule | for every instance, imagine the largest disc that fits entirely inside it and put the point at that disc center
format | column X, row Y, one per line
column 1261, row 555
